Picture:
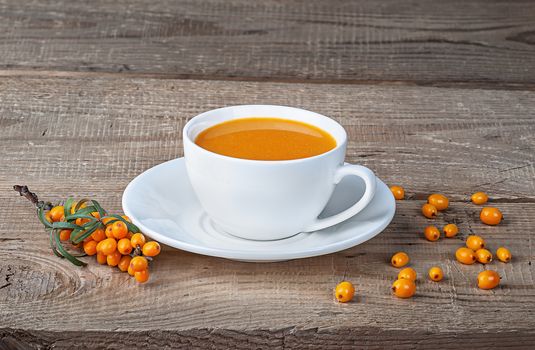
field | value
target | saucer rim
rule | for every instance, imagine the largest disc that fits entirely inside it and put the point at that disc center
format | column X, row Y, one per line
column 244, row 255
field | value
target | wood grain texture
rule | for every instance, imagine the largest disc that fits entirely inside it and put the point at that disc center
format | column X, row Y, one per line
column 90, row 137
column 424, row 42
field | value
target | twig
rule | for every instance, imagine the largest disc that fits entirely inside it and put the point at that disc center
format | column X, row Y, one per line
column 32, row 197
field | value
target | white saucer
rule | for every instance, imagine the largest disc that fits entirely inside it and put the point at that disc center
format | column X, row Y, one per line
column 163, row 205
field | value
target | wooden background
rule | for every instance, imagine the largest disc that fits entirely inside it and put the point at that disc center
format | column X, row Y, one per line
column 437, row 97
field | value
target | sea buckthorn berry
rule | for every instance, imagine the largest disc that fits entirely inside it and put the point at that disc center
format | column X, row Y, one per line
column 139, row 263
column 503, row 254
column 344, row 292
column 407, row 273
column 108, row 246
column 81, row 221
column 130, row 271
column 491, row 216
column 475, row 242
column 400, row 259
column 479, row 198
column 431, row 233
column 440, row 201
column 436, row 274
column 151, row 248
column 119, row 229
column 450, row 230
column 83, row 205
column 99, row 246
column 141, row 276
column 404, row 288
column 98, row 235
column 95, row 214
column 138, row 239
column 488, row 279
column 126, row 218
column 124, row 263
column 398, row 192
column 87, row 239
column 114, row 258
column 124, row 246
column 65, row 235
column 465, row 255
column 90, row 248
column 109, row 231
column 129, row 235
column 48, row 217
column 57, row 213
column 483, row 256
column 429, row 211
column 101, row 258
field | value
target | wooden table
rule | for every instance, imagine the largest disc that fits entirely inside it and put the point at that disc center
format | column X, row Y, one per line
column 436, row 97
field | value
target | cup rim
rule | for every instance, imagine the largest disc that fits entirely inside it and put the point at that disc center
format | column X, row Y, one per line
column 188, row 125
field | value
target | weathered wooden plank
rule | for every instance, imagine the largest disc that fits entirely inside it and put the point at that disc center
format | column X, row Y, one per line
column 416, row 41
column 89, row 137
column 426, row 139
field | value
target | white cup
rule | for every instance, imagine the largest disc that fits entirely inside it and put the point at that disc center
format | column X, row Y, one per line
column 267, row 200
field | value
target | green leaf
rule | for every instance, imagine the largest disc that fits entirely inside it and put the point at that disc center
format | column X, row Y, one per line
column 67, row 207
column 52, row 244
column 131, row 227
column 63, row 225
column 100, row 210
column 85, row 211
column 66, row 254
column 79, row 216
column 86, row 233
column 42, row 218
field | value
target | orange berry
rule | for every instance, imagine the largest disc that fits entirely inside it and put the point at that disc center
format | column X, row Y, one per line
column 479, row 198
column 99, row 246
column 130, row 271
column 124, row 246
column 129, row 235
column 126, row 218
column 81, row 221
column 151, row 248
column 87, row 239
column 101, row 258
column 407, row 273
column 344, row 292
column 429, row 211
column 108, row 246
column 124, row 263
column 436, row 274
column 65, row 234
column 503, row 254
column 475, row 242
column 450, row 230
column 138, row 239
column 465, row 255
column 90, row 248
column 483, row 256
column 400, row 259
column 109, row 232
column 404, row 288
column 57, row 213
column 488, row 279
column 48, row 217
column 139, row 263
column 114, row 258
column 398, row 192
column 141, row 276
column 432, row 233
column 98, row 235
column 440, row 201
column 95, row 214
column 75, row 204
column 491, row 216
column 119, row 229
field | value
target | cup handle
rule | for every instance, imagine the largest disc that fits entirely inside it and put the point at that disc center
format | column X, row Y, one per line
column 346, row 170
